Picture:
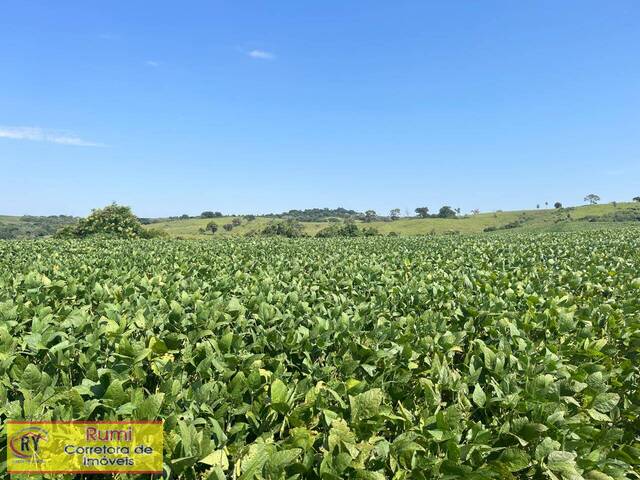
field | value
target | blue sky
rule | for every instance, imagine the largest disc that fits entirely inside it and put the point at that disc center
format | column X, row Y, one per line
column 255, row 106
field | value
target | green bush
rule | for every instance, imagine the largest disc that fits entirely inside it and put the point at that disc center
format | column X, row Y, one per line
column 154, row 233
column 346, row 229
column 289, row 229
column 370, row 232
column 114, row 220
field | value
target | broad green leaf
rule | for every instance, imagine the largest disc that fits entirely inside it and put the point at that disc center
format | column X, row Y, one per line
column 514, row 459
column 216, row 458
column 279, row 391
column 31, row 378
column 366, row 405
column 149, row 409
column 545, row 447
column 604, row 402
column 479, row 397
column 116, row 394
column 562, row 462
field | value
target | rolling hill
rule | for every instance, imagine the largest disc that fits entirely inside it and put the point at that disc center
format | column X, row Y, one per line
column 586, row 217
column 571, row 218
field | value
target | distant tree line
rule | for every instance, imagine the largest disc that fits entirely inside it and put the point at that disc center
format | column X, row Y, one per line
column 445, row 212
column 336, row 215
column 316, row 214
column 210, row 214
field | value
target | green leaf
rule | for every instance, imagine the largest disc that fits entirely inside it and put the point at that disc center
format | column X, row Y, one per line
column 215, row 473
column 281, row 459
column 366, row 405
column 597, row 416
column 157, row 346
column 116, row 394
column 31, row 378
column 479, row 397
column 367, row 475
column 605, row 402
column 149, row 409
column 253, row 462
column 545, row 447
column 596, row 475
column 279, row 391
column 562, row 462
column 514, row 459
column 216, row 458
column 342, row 438
column 234, row 305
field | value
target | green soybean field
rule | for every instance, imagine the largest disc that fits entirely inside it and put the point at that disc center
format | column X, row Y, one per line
column 454, row 357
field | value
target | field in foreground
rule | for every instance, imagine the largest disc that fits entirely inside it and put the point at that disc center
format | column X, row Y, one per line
column 476, row 357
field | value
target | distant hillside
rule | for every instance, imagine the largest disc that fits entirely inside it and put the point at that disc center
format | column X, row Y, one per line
column 29, row 226
column 610, row 215
column 572, row 218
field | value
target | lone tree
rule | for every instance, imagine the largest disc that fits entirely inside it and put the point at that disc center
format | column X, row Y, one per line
column 422, row 212
column 592, row 198
column 370, row 216
column 447, row 212
column 394, row 214
column 212, row 227
column 557, row 205
column 207, row 214
column 636, row 199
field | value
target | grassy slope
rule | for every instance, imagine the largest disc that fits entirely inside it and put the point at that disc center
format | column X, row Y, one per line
column 9, row 220
column 534, row 220
column 190, row 228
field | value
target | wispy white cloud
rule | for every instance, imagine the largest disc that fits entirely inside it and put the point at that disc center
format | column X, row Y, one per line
column 152, row 63
column 37, row 134
column 261, row 54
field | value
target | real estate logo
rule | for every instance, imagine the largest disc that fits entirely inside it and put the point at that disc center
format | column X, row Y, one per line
column 26, row 443
column 84, row 446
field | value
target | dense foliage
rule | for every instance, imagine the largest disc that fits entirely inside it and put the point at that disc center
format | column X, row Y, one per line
column 511, row 356
column 346, row 229
column 113, row 221
column 210, row 214
column 317, row 214
column 29, row 226
column 630, row 214
column 287, row 228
